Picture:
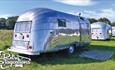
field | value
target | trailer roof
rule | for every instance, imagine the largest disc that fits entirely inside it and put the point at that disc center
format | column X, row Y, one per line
column 33, row 13
column 100, row 25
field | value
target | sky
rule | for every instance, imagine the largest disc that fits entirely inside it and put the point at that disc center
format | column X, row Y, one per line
column 87, row 8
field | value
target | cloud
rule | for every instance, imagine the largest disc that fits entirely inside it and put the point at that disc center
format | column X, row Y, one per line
column 77, row 2
column 108, row 13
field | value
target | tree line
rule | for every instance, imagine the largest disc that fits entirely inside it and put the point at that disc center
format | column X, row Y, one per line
column 10, row 22
column 106, row 20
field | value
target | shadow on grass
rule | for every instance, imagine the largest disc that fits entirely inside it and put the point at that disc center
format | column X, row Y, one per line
column 62, row 58
column 103, row 48
column 113, row 39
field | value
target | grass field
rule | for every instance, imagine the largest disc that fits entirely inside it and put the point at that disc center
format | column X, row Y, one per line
column 5, row 39
column 60, row 61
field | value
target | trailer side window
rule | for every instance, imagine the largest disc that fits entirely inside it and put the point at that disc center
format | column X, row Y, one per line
column 61, row 23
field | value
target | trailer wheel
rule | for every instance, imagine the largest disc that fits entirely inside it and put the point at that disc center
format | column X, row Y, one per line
column 71, row 50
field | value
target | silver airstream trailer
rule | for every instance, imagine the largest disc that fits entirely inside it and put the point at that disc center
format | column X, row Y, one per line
column 43, row 30
column 113, row 30
column 100, row 31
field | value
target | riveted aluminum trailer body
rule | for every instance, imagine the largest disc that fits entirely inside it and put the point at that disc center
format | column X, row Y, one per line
column 44, row 30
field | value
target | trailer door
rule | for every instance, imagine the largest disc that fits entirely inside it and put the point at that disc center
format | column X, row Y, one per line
column 84, row 32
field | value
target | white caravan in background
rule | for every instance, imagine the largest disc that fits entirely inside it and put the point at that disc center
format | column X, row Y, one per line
column 100, row 31
column 113, row 30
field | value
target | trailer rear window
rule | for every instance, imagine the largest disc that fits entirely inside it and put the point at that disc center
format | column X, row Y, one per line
column 23, row 26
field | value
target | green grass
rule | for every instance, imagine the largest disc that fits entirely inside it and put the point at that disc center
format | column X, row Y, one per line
column 5, row 39
column 60, row 61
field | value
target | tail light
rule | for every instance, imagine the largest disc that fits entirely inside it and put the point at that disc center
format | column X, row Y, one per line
column 27, row 36
column 15, row 35
column 29, row 47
